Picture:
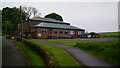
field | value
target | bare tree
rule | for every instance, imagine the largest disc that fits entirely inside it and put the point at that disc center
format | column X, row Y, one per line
column 38, row 15
column 31, row 11
column 35, row 11
column 28, row 11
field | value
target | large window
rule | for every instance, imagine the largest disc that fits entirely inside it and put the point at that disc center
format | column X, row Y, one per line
column 66, row 32
column 55, row 32
column 61, row 32
column 44, row 31
column 79, row 33
column 72, row 32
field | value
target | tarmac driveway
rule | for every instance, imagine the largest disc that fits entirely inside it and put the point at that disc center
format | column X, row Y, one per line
column 11, row 56
column 80, row 55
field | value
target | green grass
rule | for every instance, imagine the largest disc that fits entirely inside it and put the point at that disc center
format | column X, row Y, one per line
column 33, row 58
column 110, row 34
column 107, row 50
column 64, row 42
column 61, row 57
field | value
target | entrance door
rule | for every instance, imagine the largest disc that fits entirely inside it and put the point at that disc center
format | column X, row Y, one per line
column 50, row 33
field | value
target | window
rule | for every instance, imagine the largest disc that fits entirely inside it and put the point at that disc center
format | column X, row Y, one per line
column 71, row 32
column 44, row 31
column 55, row 32
column 79, row 33
column 61, row 32
column 66, row 32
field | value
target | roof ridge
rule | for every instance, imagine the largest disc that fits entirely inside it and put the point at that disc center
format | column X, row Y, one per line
column 47, row 19
column 54, row 25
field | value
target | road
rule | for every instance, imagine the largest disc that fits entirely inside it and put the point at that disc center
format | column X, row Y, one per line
column 11, row 56
column 80, row 55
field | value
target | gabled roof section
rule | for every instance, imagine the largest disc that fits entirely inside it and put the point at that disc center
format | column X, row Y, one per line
column 47, row 20
column 56, row 25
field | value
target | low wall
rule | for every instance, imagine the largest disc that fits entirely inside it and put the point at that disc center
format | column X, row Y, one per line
column 42, row 52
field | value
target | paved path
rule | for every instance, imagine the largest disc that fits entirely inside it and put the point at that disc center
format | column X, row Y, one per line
column 91, row 39
column 81, row 56
column 11, row 56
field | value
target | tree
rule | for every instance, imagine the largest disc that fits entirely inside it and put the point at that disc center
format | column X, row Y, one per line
column 0, row 20
column 35, row 11
column 28, row 11
column 31, row 11
column 54, row 16
column 92, row 33
column 10, row 18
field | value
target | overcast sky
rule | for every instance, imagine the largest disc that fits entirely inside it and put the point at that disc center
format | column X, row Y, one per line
column 91, row 16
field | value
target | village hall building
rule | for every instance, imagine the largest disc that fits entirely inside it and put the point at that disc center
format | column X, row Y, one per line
column 47, row 28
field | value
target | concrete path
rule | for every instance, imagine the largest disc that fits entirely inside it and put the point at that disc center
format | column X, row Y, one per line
column 81, row 56
column 11, row 56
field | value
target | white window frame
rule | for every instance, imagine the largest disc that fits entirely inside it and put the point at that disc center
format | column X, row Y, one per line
column 66, row 31
column 72, row 32
column 79, row 33
column 44, row 31
column 62, row 32
column 56, row 31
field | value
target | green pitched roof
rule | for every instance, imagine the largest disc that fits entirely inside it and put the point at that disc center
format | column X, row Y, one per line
column 56, row 25
column 46, row 19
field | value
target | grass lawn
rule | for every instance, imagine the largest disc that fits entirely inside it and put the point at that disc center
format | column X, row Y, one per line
column 107, row 50
column 64, row 42
column 33, row 58
column 61, row 57
column 110, row 34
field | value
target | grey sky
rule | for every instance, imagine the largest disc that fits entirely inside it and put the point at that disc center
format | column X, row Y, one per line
column 59, row 0
column 92, row 16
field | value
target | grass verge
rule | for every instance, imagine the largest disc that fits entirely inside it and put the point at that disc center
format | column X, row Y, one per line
column 33, row 58
column 110, row 34
column 63, row 42
column 107, row 50
column 61, row 57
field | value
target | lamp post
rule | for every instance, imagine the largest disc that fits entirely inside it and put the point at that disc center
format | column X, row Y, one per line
column 21, row 25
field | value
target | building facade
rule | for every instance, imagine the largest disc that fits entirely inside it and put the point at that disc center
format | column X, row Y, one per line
column 44, row 28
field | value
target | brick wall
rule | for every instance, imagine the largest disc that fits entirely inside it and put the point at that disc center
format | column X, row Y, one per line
column 40, row 34
column 27, row 24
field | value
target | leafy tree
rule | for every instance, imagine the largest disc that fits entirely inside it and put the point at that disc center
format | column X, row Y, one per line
column 92, row 33
column 54, row 16
column 0, row 22
column 10, row 18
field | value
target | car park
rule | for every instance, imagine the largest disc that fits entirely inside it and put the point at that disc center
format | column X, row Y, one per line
column 90, row 35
